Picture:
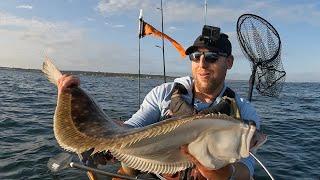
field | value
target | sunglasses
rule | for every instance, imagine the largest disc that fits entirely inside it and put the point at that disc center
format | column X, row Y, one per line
column 210, row 57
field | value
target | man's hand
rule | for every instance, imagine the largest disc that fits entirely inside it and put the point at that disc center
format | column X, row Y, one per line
column 222, row 173
column 67, row 81
column 93, row 160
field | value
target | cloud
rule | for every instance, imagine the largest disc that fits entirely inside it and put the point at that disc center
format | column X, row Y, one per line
column 112, row 7
column 118, row 26
column 172, row 29
column 26, row 42
column 175, row 11
column 114, row 25
column 298, row 13
column 24, row 6
column 38, row 29
column 33, row 36
column 90, row 19
column 180, row 11
column 219, row 12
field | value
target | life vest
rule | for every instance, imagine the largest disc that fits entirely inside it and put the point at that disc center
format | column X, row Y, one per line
column 178, row 107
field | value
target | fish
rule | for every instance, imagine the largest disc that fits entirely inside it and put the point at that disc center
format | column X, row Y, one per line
column 215, row 140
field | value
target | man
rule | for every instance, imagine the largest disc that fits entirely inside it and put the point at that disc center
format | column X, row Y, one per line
column 204, row 92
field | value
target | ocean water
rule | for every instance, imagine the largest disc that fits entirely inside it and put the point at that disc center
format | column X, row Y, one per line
column 27, row 103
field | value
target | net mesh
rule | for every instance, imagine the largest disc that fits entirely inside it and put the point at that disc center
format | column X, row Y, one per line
column 261, row 44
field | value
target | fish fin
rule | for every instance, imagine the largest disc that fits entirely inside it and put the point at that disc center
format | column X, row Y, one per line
column 50, row 70
column 149, row 165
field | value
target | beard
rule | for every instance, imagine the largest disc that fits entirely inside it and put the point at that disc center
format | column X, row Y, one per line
column 209, row 80
column 207, row 87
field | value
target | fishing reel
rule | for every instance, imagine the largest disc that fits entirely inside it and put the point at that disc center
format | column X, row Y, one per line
column 210, row 34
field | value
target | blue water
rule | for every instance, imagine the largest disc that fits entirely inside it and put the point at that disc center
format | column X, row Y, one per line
column 27, row 103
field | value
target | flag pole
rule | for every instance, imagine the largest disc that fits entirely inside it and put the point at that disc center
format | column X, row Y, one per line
column 205, row 12
column 140, row 35
column 163, row 58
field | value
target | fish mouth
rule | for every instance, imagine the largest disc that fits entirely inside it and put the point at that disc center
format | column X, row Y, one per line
column 257, row 140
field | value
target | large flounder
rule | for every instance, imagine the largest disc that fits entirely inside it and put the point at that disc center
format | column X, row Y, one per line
column 80, row 124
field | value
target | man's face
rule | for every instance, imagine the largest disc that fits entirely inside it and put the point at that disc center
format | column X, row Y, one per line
column 210, row 76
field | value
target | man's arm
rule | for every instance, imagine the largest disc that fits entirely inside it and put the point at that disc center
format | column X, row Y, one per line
column 248, row 112
column 241, row 171
column 151, row 107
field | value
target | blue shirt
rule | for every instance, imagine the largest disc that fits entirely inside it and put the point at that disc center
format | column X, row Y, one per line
column 155, row 106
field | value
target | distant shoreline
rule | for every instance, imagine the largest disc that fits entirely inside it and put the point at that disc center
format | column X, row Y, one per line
column 92, row 73
column 144, row 76
column 106, row 74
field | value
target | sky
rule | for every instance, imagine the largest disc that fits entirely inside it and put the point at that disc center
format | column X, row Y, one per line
column 102, row 35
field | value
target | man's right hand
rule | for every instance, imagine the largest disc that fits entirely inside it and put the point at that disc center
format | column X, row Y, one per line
column 67, row 81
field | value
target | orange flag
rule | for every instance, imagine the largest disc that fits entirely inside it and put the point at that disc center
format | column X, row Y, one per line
column 147, row 29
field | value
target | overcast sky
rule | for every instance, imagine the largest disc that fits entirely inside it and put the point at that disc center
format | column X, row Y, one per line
column 102, row 35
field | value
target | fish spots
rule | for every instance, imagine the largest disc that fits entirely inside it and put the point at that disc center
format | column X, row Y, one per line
column 94, row 130
column 85, row 112
column 96, row 123
column 76, row 107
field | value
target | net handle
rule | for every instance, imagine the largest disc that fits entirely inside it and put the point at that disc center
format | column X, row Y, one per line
column 251, row 82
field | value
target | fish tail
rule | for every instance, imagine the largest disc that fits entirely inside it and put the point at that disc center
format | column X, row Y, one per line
column 50, row 70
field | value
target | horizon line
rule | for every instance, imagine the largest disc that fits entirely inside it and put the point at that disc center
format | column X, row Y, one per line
column 155, row 75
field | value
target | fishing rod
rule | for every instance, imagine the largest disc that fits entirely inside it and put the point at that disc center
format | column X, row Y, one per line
column 64, row 160
column 265, row 169
column 163, row 57
column 90, row 173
